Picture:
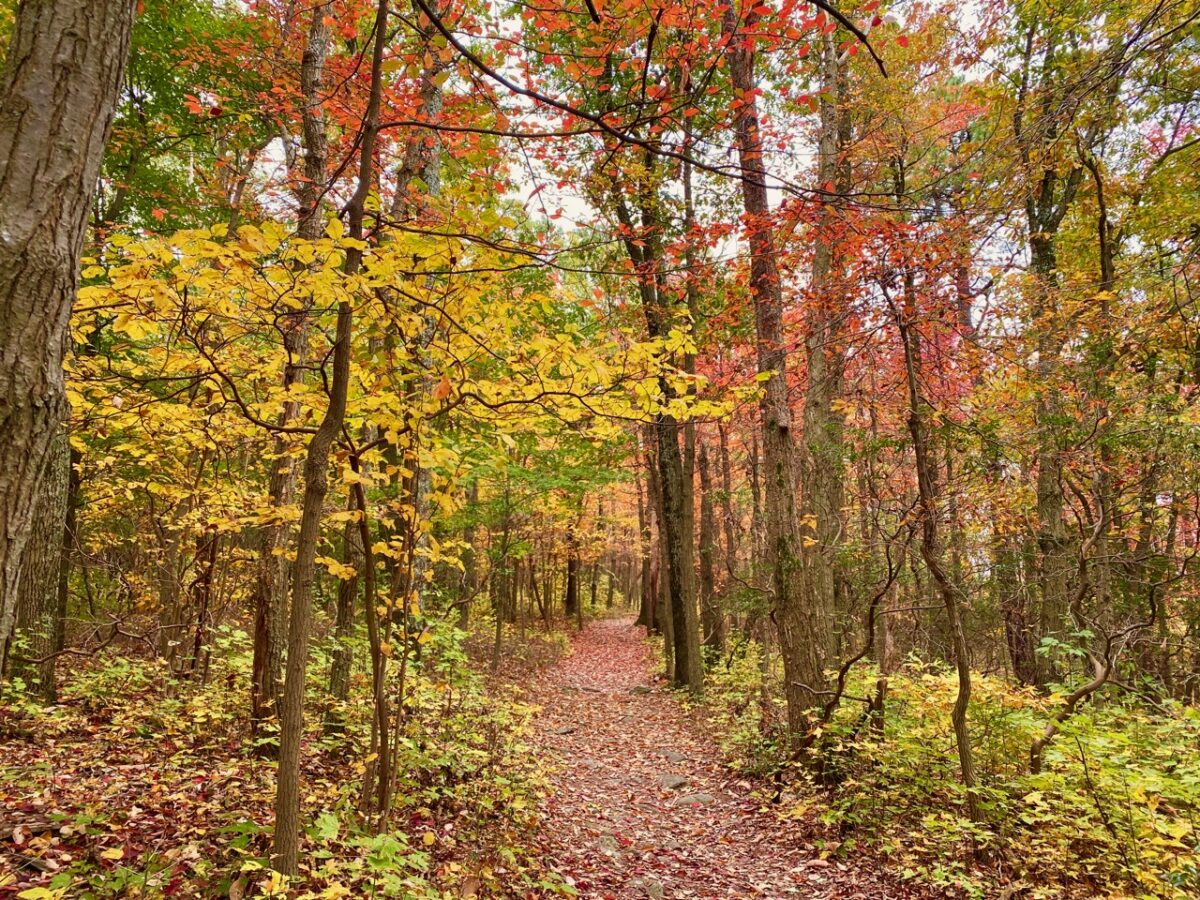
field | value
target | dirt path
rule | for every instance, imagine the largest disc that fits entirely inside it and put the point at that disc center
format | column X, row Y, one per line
column 642, row 806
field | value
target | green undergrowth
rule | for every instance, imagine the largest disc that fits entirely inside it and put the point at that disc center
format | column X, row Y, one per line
column 1114, row 813
column 146, row 783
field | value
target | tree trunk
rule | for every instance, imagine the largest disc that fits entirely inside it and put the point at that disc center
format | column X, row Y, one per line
column 70, row 540
column 269, row 598
column 821, row 459
column 728, row 522
column 470, row 576
column 677, row 538
column 291, row 725
column 712, row 618
column 38, row 622
column 803, row 631
column 342, row 660
column 571, row 594
column 61, row 79
column 931, row 550
column 648, row 591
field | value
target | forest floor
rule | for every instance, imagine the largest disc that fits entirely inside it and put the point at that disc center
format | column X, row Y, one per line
column 642, row 805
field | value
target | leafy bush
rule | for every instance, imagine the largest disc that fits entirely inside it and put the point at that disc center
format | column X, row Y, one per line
column 1112, row 814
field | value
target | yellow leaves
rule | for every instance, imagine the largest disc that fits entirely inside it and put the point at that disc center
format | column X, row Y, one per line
column 337, row 569
column 41, row 893
column 113, row 853
column 133, row 326
column 429, row 839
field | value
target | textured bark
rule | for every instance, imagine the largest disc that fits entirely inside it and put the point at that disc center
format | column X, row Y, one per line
column 37, row 603
column 803, row 629
column 58, row 91
column 677, row 538
column 821, row 458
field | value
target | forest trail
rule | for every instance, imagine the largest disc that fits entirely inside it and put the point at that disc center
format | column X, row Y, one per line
column 642, row 805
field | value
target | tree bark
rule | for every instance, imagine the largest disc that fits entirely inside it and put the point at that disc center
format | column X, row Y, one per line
column 712, row 618
column 38, row 622
column 269, row 598
column 821, row 457
column 803, row 630
column 343, row 630
column 59, row 88
column 291, row 730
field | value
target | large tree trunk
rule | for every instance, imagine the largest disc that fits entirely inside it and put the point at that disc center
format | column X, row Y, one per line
column 61, row 79
column 677, row 541
column 803, row 631
column 38, row 622
column 821, row 459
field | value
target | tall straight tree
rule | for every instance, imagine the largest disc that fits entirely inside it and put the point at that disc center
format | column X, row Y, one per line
column 316, row 463
column 803, row 633
column 270, row 589
column 820, row 460
column 58, row 91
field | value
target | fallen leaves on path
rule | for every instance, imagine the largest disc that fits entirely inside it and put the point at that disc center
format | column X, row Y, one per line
column 643, row 806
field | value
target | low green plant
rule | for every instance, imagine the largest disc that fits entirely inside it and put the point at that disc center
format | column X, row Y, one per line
column 1113, row 813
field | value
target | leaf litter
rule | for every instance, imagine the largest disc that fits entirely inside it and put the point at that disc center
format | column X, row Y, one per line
column 642, row 805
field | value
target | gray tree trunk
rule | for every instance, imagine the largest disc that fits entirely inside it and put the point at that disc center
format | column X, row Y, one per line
column 37, row 601
column 61, row 78
column 821, row 462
